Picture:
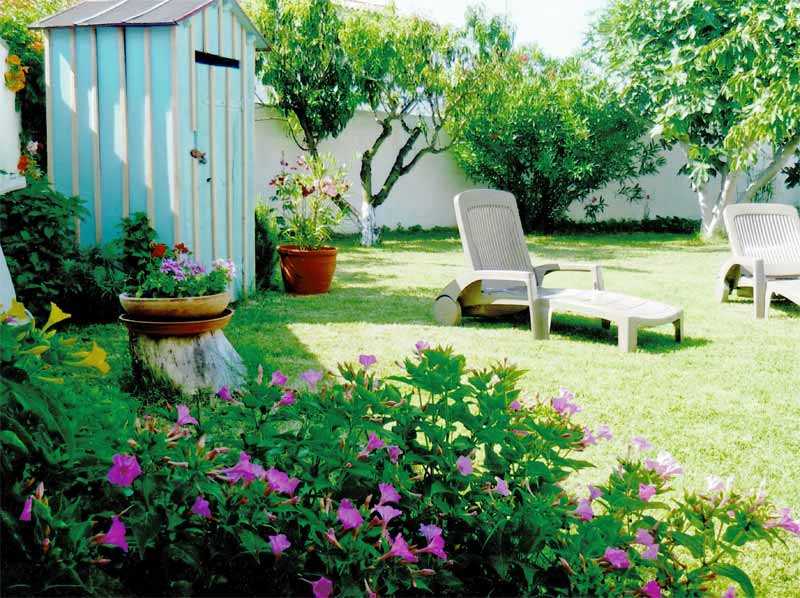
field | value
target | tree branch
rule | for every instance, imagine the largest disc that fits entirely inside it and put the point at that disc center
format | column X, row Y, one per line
column 771, row 171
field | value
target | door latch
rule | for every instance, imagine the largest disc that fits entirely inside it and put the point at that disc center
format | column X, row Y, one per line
column 198, row 155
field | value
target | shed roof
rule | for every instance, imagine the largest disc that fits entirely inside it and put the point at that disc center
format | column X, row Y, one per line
column 136, row 13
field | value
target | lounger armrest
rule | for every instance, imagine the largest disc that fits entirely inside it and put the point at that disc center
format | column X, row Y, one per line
column 595, row 269
column 526, row 278
column 737, row 262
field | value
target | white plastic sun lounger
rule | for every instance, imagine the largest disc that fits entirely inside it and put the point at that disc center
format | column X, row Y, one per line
column 502, row 280
column 765, row 243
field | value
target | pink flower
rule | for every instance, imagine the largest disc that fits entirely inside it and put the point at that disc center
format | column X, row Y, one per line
column 124, row 470
column 387, row 513
column 730, row 592
column 421, row 346
column 588, row 438
column 184, row 417
column 644, row 537
column 430, row 531
column 367, row 360
column 401, row 550
column 563, row 403
column 243, row 470
column 278, row 378
column 501, row 487
column 617, row 558
column 388, row 494
column 373, row 443
column 279, row 543
column 348, row 515
column 584, row 510
column 664, row 465
column 312, row 378
column 322, row 588
column 115, row 536
column 281, row 482
column 464, row 465
column 435, row 545
column 394, row 453
column 287, row 398
column 594, row 492
column 650, row 552
column 224, row 393
column 641, row 443
column 785, row 521
column 515, row 405
column 651, row 589
column 646, row 492
column 201, row 507
column 26, row 509
column 604, row 432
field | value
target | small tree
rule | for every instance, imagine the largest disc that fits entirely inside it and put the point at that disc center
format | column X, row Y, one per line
column 305, row 68
column 722, row 79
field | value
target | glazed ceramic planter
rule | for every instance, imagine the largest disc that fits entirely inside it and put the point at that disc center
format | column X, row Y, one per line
column 307, row 271
column 178, row 308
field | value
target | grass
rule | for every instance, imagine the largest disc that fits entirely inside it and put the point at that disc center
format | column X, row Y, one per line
column 725, row 401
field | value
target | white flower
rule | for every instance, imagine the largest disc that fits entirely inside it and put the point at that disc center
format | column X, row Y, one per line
column 32, row 147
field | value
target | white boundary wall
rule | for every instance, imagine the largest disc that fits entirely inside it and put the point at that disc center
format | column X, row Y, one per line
column 425, row 196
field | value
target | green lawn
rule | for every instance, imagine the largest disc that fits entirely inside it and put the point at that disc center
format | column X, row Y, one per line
column 726, row 401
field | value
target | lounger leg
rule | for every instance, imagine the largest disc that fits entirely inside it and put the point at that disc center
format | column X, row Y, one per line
column 627, row 336
column 540, row 319
column 678, row 330
column 723, row 290
column 606, row 324
column 759, row 290
column 767, row 302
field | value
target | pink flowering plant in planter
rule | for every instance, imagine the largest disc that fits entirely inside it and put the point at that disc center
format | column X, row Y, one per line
column 438, row 479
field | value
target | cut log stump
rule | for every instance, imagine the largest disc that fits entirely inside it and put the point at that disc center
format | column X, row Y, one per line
column 189, row 363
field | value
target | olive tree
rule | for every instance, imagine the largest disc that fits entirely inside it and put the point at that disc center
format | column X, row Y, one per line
column 721, row 79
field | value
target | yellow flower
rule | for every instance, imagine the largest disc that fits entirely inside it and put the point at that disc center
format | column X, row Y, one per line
column 56, row 316
column 96, row 358
column 13, row 60
column 17, row 311
column 51, row 379
column 37, row 350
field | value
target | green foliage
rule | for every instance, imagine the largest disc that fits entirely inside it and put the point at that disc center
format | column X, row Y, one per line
column 551, row 132
column 659, row 224
column 94, row 280
column 311, row 194
column 267, row 233
column 307, row 71
column 137, row 239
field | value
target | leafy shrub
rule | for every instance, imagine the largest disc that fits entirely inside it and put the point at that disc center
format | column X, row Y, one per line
column 138, row 238
column 94, row 280
column 439, row 479
column 659, row 224
column 267, row 233
column 173, row 273
column 551, row 132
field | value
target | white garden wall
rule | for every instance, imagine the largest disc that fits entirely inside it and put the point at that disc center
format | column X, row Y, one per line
column 425, row 195
column 9, row 132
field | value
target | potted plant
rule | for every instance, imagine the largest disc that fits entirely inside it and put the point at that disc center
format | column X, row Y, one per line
column 311, row 193
column 176, row 287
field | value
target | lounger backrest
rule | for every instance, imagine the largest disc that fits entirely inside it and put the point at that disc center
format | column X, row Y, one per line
column 491, row 231
column 767, row 231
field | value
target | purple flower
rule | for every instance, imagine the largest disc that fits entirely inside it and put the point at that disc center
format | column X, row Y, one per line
column 421, row 346
column 184, row 418
column 594, row 492
column 401, row 550
column 367, row 360
column 278, row 378
column 464, row 465
column 563, row 403
column 287, row 398
column 170, row 266
column 26, row 509
column 588, row 437
column 435, row 545
column 394, row 452
column 373, row 443
column 281, row 482
column 279, row 544
column 617, row 558
column 641, row 443
column 322, row 588
column 201, row 507
column 501, row 487
column 644, row 537
column 243, row 470
column 115, row 536
column 348, row 515
column 730, row 592
column 604, row 432
column 515, row 405
column 650, row 552
column 430, row 531
column 584, row 510
column 224, row 393
column 651, row 589
column 785, row 521
column 195, row 268
column 387, row 513
column 124, row 470
column 664, row 465
column 388, row 494
column 312, row 378
column 226, row 266
column 646, row 492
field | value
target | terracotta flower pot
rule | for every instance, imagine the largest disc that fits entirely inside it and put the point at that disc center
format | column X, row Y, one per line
column 307, row 271
column 178, row 308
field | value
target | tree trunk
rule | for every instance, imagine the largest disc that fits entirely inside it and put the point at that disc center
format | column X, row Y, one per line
column 712, row 204
column 370, row 232
column 770, row 172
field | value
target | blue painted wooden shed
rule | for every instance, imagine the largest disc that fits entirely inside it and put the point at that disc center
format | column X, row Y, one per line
column 150, row 109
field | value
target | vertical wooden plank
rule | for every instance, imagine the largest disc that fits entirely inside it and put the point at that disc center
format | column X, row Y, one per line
column 176, row 140
column 204, row 249
column 94, row 116
column 74, row 125
column 48, row 74
column 86, row 130
column 236, row 224
column 122, row 122
column 211, row 38
column 191, row 34
column 148, row 128
column 244, row 66
column 60, row 137
column 161, row 131
column 249, row 266
column 185, row 136
column 135, row 88
column 230, row 35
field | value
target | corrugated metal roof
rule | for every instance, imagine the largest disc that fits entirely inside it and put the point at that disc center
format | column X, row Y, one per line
column 136, row 13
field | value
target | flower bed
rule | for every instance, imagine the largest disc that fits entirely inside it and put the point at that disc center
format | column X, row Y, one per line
column 174, row 273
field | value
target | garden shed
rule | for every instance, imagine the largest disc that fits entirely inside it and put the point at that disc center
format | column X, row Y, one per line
column 150, row 109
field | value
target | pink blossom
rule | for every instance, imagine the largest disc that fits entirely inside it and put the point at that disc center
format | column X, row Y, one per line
column 243, row 470
column 401, row 550
column 348, row 515
column 367, row 360
column 501, row 487
column 646, row 539
column 394, row 453
column 279, row 543
column 373, row 443
column 387, row 513
column 646, row 492
column 641, row 443
column 421, row 346
column 785, row 521
column 201, row 507
column 604, row 432
column 224, row 393
column 311, row 378
column 115, row 536
column 184, row 417
column 664, row 465
column 287, row 398
column 584, row 510
column 26, row 509
column 388, row 494
column 515, row 405
column 281, row 482
column 278, row 378
column 651, row 589
column 124, row 470
column 594, row 492
column 563, row 403
column 430, row 531
column 588, row 437
column 436, row 547
column 650, row 552
column 617, row 558
column 322, row 588
column 730, row 592
column 464, row 465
